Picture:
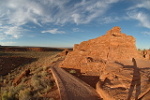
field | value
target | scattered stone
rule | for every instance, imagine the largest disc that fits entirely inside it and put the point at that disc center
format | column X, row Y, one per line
column 18, row 79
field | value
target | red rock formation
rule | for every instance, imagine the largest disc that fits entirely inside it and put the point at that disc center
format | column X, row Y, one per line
column 64, row 52
column 91, row 54
column 114, row 58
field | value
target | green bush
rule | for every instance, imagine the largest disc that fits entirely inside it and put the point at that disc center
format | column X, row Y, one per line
column 44, row 73
column 18, row 88
column 5, row 95
column 39, row 69
column 8, row 96
column 25, row 94
column 72, row 71
column 35, row 81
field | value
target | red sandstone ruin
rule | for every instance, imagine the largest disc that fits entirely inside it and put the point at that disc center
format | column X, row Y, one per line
column 112, row 46
column 123, row 73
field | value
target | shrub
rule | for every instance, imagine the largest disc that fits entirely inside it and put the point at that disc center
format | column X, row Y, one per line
column 45, row 68
column 47, row 89
column 139, row 49
column 39, row 69
column 25, row 94
column 51, row 99
column 4, row 81
column 5, row 96
column 24, row 79
column 44, row 73
column 18, row 88
column 35, row 81
column 72, row 71
column 1, row 78
column 8, row 96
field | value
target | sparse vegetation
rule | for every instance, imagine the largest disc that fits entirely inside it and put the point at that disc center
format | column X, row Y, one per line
column 25, row 94
column 72, row 71
column 44, row 73
column 1, row 78
column 33, row 87
column 39, row 69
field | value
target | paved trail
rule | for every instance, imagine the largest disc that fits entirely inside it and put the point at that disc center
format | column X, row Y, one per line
column 72, row 88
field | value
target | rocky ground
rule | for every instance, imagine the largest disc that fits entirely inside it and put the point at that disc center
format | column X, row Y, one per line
column 37, row 84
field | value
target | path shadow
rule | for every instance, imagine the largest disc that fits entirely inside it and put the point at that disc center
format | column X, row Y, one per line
column 91, row 80
column 136, row 79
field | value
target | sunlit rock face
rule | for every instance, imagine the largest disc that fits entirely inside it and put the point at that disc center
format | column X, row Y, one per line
column 93, row 53
column 114, row 58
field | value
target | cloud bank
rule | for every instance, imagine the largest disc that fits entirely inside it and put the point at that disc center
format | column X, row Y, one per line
column 53, row 31
column 15, row 14
column 140, row 12
column 7, row 43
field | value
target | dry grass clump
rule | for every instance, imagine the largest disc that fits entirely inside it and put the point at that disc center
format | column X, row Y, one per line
column 39, row 69
column 11, row 92
column 72, row 71
column 25, row 94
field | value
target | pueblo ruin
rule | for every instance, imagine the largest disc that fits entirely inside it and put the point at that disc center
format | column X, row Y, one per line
column 123, row 73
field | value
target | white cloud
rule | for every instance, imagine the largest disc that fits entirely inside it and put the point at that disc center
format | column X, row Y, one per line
column 2, row 36
column 53, row 11
column 147, row 33
column 76, row 29
column 6, row 43
column 111, row 1
column 141, row 17
column 110, row 19
column 53, row 31
column 86, row 11
column 15, row 14
column 11, row 32
column 141, row 4
column 76, row 18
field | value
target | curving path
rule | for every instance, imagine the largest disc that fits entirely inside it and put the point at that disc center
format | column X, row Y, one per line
column 72, row 88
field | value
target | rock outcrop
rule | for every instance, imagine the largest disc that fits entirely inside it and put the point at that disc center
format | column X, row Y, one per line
column 18, row 79
column 92, row 54
column 64, row 52
column 114, row 58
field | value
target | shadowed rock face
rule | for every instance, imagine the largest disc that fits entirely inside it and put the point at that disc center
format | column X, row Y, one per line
column 92, row 54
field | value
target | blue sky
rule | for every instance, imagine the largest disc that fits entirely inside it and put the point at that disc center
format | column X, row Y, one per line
column 63, row 23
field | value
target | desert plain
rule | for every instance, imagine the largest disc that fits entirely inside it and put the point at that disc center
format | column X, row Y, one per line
column 109, row 67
